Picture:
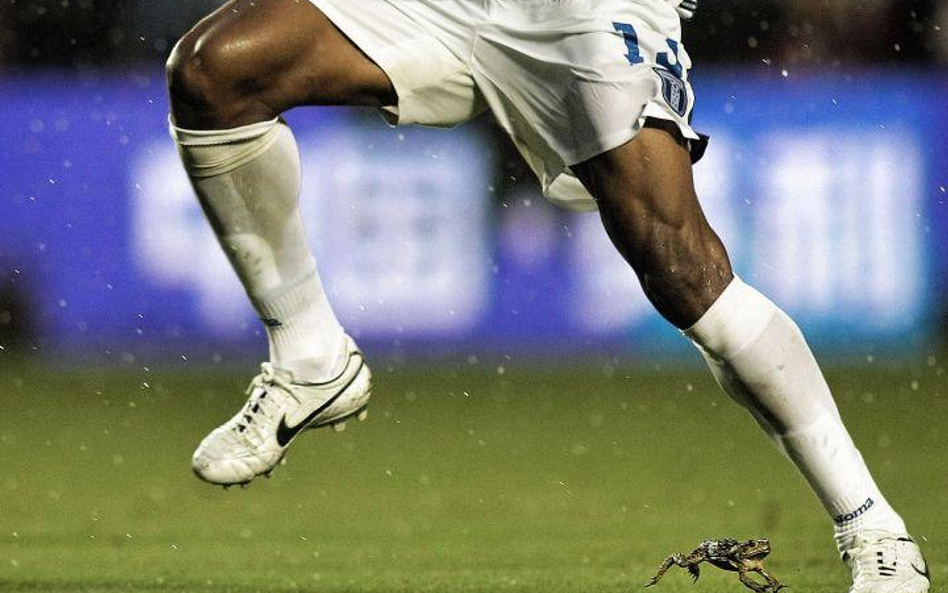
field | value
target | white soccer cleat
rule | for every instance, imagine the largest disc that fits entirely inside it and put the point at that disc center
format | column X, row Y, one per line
column 254, row 441
column 884, row 562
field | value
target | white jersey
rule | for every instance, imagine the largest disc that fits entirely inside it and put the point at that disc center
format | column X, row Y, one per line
column 567, row 79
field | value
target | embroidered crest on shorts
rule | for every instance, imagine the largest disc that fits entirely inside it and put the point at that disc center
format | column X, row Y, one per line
column 673, row 91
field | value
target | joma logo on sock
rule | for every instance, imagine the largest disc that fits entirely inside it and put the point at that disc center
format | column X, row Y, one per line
column 840, row 519
column 272, row 322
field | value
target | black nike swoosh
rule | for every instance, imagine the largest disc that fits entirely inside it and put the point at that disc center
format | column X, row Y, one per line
column 285, row 433
column 924, row 574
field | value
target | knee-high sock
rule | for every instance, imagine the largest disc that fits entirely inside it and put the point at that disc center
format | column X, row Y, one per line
column 760, row 358
column 248, row 181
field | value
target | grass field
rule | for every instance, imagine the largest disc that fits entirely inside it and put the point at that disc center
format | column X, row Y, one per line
column 535, row 481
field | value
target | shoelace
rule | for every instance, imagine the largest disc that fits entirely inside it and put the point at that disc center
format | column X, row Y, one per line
column 867, row 559
column 262, row 385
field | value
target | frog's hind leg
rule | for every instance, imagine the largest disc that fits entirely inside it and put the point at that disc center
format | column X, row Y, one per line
column 668, row 563
column 774, row 584
column 751, row 583
column 674, row 560
column 695, row 572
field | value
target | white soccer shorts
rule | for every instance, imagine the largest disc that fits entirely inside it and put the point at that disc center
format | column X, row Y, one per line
column 567, row 79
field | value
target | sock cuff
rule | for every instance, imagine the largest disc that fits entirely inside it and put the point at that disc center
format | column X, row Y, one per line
column 188, row 137
column 208, row 153
column 735, row 320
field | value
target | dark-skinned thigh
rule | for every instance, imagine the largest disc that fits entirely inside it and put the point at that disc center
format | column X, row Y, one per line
column 263, row 57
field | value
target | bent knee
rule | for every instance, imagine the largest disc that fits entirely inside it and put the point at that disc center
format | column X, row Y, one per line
column 198, row 71
column 213, row 82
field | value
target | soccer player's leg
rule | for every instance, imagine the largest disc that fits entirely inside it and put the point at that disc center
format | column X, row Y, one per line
column 229, row 79
column 648, row 205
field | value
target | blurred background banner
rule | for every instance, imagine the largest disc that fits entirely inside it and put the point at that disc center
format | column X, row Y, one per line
column 829, row 190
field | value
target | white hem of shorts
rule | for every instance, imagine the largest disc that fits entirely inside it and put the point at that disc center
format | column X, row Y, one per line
column 601, row 145
column 573, row 195
column 606, row 143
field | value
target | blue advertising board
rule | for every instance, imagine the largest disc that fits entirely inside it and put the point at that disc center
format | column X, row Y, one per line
column 830, row 194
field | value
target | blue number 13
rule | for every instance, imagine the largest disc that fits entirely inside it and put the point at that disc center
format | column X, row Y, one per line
column 635, row 56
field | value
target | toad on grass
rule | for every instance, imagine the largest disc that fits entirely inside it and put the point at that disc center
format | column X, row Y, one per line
column 727, row 554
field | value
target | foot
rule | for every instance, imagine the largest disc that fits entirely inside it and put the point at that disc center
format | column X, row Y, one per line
column 884, row 562
column 254, row 441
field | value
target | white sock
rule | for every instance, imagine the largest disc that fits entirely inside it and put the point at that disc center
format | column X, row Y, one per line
column 759, row 357
column 248, row 181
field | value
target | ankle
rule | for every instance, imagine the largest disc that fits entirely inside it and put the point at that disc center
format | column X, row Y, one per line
column 874, row 514
column 317, row 369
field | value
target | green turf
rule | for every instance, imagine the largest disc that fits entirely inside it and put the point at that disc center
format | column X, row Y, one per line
column 533, row 481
